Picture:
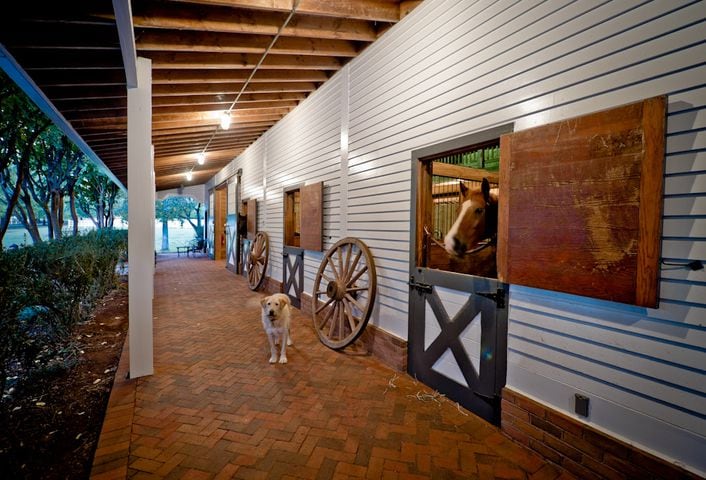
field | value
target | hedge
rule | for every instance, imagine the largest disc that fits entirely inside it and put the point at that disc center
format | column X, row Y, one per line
column 47, row 288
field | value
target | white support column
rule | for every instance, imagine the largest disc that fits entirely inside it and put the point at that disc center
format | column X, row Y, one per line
column 141, row 194
column 345, row 120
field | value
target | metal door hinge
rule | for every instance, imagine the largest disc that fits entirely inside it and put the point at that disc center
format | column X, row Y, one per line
column 498, row 297
column 422, row 287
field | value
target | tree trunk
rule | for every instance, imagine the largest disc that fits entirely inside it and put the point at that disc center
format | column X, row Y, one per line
column 72, row 206
column 55, row 208
column 165, row 235
column 11, row 202
column 29, row 219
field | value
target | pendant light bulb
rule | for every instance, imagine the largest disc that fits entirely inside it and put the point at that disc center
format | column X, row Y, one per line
column 225, row 120
column 201, row 158
column 189, row 176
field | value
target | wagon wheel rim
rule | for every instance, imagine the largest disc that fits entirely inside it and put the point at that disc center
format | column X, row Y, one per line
column 344, row 293
column 257, row 260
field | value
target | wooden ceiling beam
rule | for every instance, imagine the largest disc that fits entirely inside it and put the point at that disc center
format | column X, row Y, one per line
column 46, row 59
column 215, row 143
column 85, row 93
column 216, row 42
column 231, row 88
column 152, row 14
column 66, row 106
column 169, row 76
column 61, row 36
column 220, row 108
column 236, row 115
column 168, row 131
column 206, row 121
column 239, row 61
column 226, row 100
column 370, row 10
column 205, row 136
column 120, row 113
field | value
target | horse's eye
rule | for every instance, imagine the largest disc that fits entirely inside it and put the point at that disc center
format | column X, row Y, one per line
column 479, row 211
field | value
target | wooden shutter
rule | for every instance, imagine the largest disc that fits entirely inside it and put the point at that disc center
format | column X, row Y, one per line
column 312, row 216
column 252, row 218
column 581, row 203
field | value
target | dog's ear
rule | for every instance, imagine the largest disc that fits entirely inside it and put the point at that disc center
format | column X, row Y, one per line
column 286, row 300
column 263, row 301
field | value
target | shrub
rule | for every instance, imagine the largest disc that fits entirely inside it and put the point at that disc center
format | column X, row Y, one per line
column 46, row 288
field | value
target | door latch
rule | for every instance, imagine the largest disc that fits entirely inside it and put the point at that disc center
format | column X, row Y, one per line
column 498, row 297
column 422, row 287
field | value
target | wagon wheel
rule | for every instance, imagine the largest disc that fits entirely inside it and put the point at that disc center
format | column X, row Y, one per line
column 256, row 262
column 344, row 293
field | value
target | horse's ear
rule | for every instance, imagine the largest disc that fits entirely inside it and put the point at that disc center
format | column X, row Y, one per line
column 485, row 188
column 464, row 189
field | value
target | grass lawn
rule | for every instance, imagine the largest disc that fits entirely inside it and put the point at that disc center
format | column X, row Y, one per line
column 178, row 235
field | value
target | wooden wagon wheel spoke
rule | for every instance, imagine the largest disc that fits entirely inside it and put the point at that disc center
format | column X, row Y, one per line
column 357, row 275
column 256, row 261
column 341, row 307
column 324, row 305
column 356, row 289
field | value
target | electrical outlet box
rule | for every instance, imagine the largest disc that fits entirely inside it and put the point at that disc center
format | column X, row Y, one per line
column 581, row 405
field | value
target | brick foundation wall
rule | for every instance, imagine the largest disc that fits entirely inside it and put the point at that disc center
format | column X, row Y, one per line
column 580, row 449
column 271, row 286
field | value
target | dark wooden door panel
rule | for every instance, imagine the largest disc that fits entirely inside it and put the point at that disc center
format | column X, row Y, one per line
column 580, row 204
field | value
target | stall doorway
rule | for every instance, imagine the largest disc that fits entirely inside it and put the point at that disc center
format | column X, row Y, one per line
column 457, row 307
column 219, row 222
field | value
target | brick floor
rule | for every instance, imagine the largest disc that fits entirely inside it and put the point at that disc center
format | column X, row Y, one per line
column 216, row 409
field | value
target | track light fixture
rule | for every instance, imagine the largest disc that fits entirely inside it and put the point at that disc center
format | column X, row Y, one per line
column 189, row 176
column 225, row 120
column 201, row 158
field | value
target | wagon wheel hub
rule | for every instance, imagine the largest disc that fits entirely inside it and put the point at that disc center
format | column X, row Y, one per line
column 335, row 290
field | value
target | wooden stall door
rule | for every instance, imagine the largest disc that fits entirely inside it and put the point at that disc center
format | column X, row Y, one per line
column 312, row 217
column 219, row 223
column 580, row 204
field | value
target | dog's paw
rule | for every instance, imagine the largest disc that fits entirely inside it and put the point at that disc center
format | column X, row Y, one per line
column 283, row 359
column 289, row 341
column 273, row 359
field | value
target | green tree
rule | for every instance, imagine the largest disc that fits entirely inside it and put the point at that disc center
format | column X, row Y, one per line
column 56, row 165
column 184, row 209
column 21, row 124
column 96, row 196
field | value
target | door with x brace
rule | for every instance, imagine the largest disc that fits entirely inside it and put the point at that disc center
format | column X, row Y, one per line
column 457, row 308
column 293, row 274
column 457, row 338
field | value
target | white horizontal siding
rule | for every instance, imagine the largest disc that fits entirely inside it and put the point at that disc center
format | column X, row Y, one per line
column 453, row 68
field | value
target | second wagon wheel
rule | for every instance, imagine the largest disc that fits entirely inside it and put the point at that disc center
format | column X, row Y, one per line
column 256, row 262
column 344, row 293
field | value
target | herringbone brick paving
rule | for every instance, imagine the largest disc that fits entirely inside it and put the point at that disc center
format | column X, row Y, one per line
column 215, row 408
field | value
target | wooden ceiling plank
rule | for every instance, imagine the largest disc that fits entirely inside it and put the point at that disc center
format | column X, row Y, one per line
column 231, row 88
column 370, row 10
column 219, row 108
column 148, row 14
column 239, row 61
column 175, row 76
column 217, row 42
column 226, row 99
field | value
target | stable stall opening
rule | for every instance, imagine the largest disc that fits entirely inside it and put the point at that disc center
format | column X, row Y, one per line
column 458, row 211
column 292, row 217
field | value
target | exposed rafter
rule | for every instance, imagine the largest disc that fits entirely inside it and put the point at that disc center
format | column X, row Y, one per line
column 203, row 54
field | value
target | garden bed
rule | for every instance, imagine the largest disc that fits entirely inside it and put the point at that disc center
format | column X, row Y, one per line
column 51, row 419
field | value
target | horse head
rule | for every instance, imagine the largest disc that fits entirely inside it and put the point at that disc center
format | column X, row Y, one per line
column 477, row 219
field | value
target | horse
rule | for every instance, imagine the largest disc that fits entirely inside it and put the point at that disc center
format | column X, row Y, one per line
column 471, row 240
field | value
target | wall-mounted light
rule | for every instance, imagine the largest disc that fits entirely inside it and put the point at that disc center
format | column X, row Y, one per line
column 201, row 158
column 225, row 120
column 189, row 176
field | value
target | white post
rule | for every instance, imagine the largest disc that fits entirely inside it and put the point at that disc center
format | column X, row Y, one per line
column 141, row 193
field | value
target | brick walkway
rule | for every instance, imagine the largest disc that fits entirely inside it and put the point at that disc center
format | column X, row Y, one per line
column 215, row 407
